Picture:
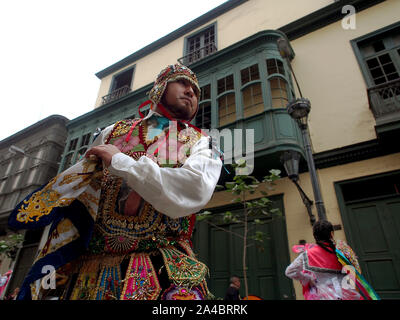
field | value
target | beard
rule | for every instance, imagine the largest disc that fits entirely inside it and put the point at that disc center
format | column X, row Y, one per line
column 179, row 111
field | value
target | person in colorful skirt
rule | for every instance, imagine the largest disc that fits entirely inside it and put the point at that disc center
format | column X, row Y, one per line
column 122, row 217
column 328, row 269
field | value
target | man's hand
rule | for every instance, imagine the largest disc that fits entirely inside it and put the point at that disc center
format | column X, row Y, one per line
column 104, row 152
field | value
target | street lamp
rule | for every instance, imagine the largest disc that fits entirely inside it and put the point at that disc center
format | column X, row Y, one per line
column 299, row 109
column 290, row 160
column 16, row 150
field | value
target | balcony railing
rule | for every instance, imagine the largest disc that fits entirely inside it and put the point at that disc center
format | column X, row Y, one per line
column 198, row 54
column 384, row 101
column 116, row 94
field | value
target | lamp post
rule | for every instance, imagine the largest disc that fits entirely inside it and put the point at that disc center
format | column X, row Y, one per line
column 290, row 160
column 299, row 109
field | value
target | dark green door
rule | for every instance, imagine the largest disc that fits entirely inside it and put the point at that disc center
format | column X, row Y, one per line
column 222, row 251
column 375, row 231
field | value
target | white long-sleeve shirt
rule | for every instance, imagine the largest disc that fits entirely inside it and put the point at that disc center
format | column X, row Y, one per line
column 175, row 192
column 296, row 271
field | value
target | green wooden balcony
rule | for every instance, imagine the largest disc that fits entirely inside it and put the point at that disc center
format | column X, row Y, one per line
column 247, row 87
column 384, row 102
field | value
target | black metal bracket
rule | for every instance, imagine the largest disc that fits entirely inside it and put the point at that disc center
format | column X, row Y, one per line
column 307, row 202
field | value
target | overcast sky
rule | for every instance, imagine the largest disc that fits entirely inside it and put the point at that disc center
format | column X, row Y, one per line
column 51, row 50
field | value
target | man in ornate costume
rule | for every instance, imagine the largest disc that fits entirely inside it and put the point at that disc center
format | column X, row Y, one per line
column 122, row 218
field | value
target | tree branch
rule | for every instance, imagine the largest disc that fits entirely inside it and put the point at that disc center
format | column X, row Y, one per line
column 223, row 229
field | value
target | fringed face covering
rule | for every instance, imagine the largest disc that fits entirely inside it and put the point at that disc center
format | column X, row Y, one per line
column 170, row 74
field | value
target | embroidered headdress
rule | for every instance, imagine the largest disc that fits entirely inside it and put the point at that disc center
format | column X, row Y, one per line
column 169, row 74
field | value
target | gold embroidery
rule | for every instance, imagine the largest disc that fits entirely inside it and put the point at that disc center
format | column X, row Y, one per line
column 124, row 231
column 41, row 203
column 142, row 223
column 86, row 198
column 109, row 280
column 86, row 176
column 183, row 271
column 189, row 136
column 45, row 200
column 95, row 183
column 85, row 287
column 141, row 282
column 121, row 128
column 64, row 233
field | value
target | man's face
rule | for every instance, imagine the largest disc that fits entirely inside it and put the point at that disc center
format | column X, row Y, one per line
column 180, row 99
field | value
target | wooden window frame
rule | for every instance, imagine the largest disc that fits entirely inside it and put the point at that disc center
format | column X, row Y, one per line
column 224, row 94
column 204, row 102
column 382, row 33
column 186, row 47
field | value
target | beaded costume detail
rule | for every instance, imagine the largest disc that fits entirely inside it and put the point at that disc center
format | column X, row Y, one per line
column 127, row 224
column 105, row 241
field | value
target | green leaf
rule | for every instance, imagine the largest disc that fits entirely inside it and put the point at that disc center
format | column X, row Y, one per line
column 235, row 219
column 227, row 216
column 258, row 236
column 265, row 201
column 241, row 163
column 275, row 172
column 253, row 178
column 229, row 185
column 203, row 215
column 238, row 199
column 276, row 211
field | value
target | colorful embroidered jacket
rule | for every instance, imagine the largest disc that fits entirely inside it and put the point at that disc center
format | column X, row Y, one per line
column 320, row 274
column 329, row 276
column 141, row 206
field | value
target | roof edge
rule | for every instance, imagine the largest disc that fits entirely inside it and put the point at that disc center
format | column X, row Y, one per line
column 108, row 106
column 221, row 9
column 323, row 17
column 34, row 126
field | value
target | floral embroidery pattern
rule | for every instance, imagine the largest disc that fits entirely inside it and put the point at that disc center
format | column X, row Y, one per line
column 182, row 293
column 141, row 281
column 172, row 73
column 126, row 146
column 183, row 271
column 41, row 204
column 109, row 287
column 145, row 228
